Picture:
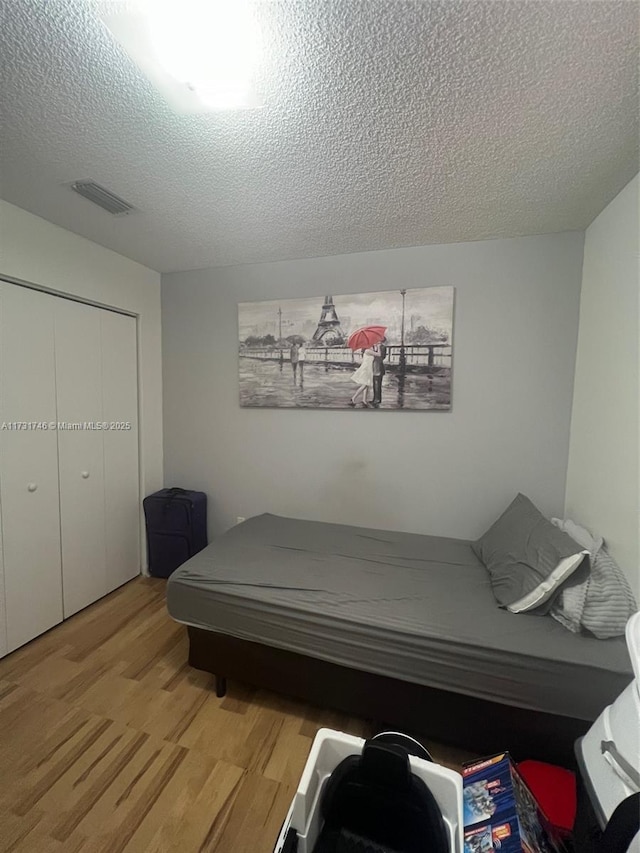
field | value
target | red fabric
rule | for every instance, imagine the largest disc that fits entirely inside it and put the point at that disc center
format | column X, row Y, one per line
column 554, row 788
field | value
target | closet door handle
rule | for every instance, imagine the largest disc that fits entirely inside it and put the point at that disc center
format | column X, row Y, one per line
column 84, row 475
column 32, row 487
column 619, row 762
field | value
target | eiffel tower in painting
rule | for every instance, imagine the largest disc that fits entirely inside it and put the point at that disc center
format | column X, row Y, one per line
column 329, row 331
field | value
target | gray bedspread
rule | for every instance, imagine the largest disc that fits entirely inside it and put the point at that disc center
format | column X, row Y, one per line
column 413, row 607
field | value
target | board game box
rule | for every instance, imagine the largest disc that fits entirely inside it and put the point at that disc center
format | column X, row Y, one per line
column 501, row 813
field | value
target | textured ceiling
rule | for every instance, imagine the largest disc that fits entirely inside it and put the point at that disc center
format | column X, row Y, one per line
column 388, row 123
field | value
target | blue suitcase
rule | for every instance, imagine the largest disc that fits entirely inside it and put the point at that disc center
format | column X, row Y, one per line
column 176, row 521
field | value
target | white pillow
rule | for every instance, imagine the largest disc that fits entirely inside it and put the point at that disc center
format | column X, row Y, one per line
column 565, row 568
column 579, row 534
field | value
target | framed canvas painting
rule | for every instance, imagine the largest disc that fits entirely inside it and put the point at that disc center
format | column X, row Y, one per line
column 383, row 350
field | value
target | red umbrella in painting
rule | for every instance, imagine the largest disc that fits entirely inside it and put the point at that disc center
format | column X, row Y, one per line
column 366, row 337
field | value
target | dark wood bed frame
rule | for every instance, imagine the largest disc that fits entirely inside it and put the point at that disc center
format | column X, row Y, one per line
column 475, row 724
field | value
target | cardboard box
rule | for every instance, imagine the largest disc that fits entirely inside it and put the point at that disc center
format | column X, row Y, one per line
column 501, row 813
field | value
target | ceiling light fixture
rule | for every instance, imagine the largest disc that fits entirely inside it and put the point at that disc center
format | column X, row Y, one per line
column 202, row 54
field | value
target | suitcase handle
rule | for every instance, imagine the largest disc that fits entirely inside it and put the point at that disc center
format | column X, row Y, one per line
column 171, row 494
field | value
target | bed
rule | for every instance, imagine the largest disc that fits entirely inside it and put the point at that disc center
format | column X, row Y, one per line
column 394, row 626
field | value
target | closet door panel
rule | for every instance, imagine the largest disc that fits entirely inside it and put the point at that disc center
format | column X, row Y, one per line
column 4, row 646
column 82, row 507
column 120, row 407
column 29, row 498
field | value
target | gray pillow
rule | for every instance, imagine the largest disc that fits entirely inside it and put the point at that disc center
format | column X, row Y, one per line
column 528, row 559
column 602, row 603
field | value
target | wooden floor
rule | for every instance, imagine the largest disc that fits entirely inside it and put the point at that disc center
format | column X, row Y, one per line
column 110, row 742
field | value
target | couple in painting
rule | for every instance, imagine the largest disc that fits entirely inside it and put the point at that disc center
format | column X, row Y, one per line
column 368, row 377
column 298, row 356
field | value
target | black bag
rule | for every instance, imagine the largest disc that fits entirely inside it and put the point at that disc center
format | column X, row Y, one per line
column 176, row 528
column 373, row 803
column 623, row 826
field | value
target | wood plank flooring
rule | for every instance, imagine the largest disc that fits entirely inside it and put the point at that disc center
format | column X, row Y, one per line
column 110, row 742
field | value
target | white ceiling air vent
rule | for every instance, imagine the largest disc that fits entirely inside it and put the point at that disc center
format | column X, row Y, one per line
column 102, row 197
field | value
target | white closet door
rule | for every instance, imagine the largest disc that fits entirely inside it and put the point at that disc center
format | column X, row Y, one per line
column 28, row 465
column 4, row 646
column 82, row 508
column 119, row 409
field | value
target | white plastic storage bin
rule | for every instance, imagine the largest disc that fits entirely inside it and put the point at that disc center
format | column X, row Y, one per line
column 609, row 754
column 328, row 750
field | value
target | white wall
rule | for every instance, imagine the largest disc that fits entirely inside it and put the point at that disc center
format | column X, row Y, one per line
column 35, row 251
column 603, row 474
column 448, row 473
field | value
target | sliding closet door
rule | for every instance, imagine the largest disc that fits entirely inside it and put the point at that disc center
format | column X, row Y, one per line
column 28, row 465
column 120, row 412
column 82, row 505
